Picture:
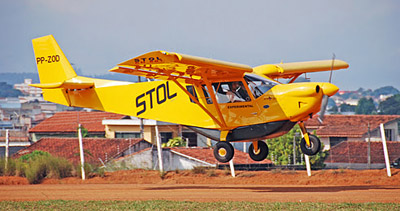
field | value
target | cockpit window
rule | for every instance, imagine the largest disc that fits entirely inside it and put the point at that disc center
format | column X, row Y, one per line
column 258, row 85
column 230, row 92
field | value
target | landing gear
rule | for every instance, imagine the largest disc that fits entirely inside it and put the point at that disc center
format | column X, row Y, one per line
column 258, row 150
column 223, row 151
column 309, row 144
column 313, row 149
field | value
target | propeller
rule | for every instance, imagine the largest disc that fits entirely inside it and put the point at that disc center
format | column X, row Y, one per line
column 325, row 98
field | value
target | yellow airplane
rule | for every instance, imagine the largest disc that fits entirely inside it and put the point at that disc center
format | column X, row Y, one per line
column 223, row 101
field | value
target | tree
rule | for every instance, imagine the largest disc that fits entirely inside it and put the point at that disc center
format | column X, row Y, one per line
column 390, row 106
column 386, row 90
column 84, row 131
column 175, row 142
column 347, row 107
column 365, row 106
column 281, row 150
column 7, row 90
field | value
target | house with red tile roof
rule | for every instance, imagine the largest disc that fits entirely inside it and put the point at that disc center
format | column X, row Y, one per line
column 354, row 155
column 108, row 125
column 98, row 151
column 338, row 128
column 65, row 124
column 131, row 153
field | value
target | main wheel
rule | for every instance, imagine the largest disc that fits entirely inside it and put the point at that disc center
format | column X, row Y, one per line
column 261, row 153
column 314, row 148
column 223, row 151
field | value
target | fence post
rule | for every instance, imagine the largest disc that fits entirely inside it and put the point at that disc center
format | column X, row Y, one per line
column 385, row 151
column 159, row 150
column 81, row 152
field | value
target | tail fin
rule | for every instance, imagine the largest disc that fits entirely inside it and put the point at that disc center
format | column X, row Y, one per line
column 56, row 74
column 53, row 66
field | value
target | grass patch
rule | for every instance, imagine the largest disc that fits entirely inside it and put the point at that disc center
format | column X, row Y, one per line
column 246, row 175
column 199, row 170
column 184, row 205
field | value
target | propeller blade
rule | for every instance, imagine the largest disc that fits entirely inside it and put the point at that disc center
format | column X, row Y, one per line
column 324, row 104
column 333, row 63
column 325, row 98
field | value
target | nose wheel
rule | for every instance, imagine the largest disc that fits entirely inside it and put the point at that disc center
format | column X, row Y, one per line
column 313, row 149
column 223, row 151
column 309, row 144
column 258, row 150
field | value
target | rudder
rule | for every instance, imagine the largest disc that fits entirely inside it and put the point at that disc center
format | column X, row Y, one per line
column 52, row 65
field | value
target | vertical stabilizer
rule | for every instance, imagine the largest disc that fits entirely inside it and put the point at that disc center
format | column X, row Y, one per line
column 52, row 65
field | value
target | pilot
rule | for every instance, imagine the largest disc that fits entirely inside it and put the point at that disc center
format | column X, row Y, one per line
column 237, row 93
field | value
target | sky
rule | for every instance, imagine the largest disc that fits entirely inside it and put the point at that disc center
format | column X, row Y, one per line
column 97, row 35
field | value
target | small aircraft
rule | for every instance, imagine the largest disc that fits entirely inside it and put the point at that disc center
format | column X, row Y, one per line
column 223, row 101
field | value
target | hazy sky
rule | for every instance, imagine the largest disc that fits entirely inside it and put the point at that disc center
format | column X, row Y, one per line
column 97, row 35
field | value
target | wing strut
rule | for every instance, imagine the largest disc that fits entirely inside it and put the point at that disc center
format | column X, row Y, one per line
column 214, row 99
column 222, row 125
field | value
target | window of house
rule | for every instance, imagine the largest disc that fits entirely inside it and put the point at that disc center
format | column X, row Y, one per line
column 165, row 136
column 127, row 135
column 191, row 137
column 388, row 135
column 336, row 140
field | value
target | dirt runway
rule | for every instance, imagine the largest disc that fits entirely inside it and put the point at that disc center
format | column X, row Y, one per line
column 201, row 192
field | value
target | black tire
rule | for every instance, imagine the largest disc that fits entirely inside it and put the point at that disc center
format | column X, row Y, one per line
column 315, row 145
column 262, row 151
column 223, row 151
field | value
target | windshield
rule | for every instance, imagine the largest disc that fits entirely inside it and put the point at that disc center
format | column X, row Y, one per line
column 258, row 85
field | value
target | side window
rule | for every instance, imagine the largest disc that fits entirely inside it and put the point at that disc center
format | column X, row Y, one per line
column 206, row 94
column 193, row 92
column 230, row 92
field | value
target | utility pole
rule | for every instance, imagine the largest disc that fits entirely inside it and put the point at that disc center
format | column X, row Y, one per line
column 7, row 144
column 369, row 146
column 141, row 119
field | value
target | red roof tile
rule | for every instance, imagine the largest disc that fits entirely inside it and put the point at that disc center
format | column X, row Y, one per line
column 102, row 148
column 349, row 125
column 206, row 154
column 357, row 152
column 68, row 121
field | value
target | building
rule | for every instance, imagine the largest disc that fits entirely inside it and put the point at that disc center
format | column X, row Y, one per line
column 180, row 158
column 130, row 127
column 129, row 153
column 354, row 155
column 65, row 124
column 28, row 90
column 339, row 128
column 17, row 140
column 110, row 125
column 98, row 151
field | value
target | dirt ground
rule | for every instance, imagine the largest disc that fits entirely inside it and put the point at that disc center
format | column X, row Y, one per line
column 215, row 185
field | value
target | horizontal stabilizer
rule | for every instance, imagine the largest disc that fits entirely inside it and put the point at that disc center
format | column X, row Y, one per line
column 68, row 84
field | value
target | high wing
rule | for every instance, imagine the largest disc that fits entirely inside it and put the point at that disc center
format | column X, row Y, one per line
column 295, row 69
column 183, row 68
